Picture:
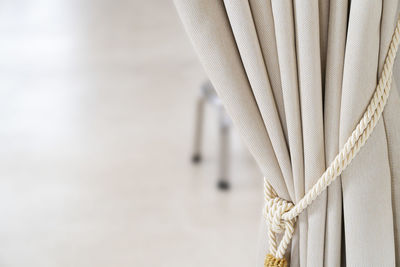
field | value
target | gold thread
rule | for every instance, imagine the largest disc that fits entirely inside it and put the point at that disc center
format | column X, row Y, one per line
column 271, row 261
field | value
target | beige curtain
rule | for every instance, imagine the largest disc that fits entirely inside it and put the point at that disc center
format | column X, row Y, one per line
column 296, row 77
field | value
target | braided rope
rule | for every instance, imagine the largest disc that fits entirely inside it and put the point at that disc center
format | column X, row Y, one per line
column 281, row 214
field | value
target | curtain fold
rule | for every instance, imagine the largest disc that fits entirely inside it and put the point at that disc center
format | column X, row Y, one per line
column 296, row 77
column 391, row 120
column 286, row 50
column 337, row 33
column 366, row 200
column 245, row 35
column 306, row 15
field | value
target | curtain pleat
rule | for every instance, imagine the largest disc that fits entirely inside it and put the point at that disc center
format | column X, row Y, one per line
column 306, row 13
column 244, row 32
column 337, row 33
column 366, row 182
column 392, row 125
column 296, row 76
column 324, row 10
column 391, row 119
column 264, row 23
column 282, row 11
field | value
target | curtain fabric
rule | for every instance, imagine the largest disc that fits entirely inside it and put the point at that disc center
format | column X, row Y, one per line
column 296, row 77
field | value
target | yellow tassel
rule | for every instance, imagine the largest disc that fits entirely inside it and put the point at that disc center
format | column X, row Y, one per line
column 271, row 261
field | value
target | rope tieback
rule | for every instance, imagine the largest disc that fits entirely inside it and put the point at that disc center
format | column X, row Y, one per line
column 281, row 214
column 275, row 208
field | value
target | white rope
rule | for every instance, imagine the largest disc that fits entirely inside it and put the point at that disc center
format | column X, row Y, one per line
column 281, row 214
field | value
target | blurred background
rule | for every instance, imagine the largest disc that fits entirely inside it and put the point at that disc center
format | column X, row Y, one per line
column 98, row 105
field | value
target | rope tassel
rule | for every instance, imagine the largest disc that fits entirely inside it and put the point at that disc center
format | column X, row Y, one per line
column 271, row 261
column 281, row 214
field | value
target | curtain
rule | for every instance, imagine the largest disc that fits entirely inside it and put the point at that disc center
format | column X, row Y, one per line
column 296, row 77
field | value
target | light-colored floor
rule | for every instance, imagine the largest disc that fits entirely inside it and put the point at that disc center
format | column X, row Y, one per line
column 96, row 121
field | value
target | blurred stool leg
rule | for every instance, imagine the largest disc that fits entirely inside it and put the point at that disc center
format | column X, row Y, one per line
column 198, row 131
column 224, row 132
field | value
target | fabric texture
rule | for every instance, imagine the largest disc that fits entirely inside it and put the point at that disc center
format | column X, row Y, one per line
column 296, row 77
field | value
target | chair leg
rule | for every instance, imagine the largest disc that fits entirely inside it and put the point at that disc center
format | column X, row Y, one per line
column 198, row 131
column 224, row 128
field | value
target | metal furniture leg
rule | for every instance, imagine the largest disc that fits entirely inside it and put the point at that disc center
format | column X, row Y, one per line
column 224, row 129
column 198, row 131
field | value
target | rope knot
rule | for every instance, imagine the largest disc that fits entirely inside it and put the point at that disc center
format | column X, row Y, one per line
column 275, row 208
